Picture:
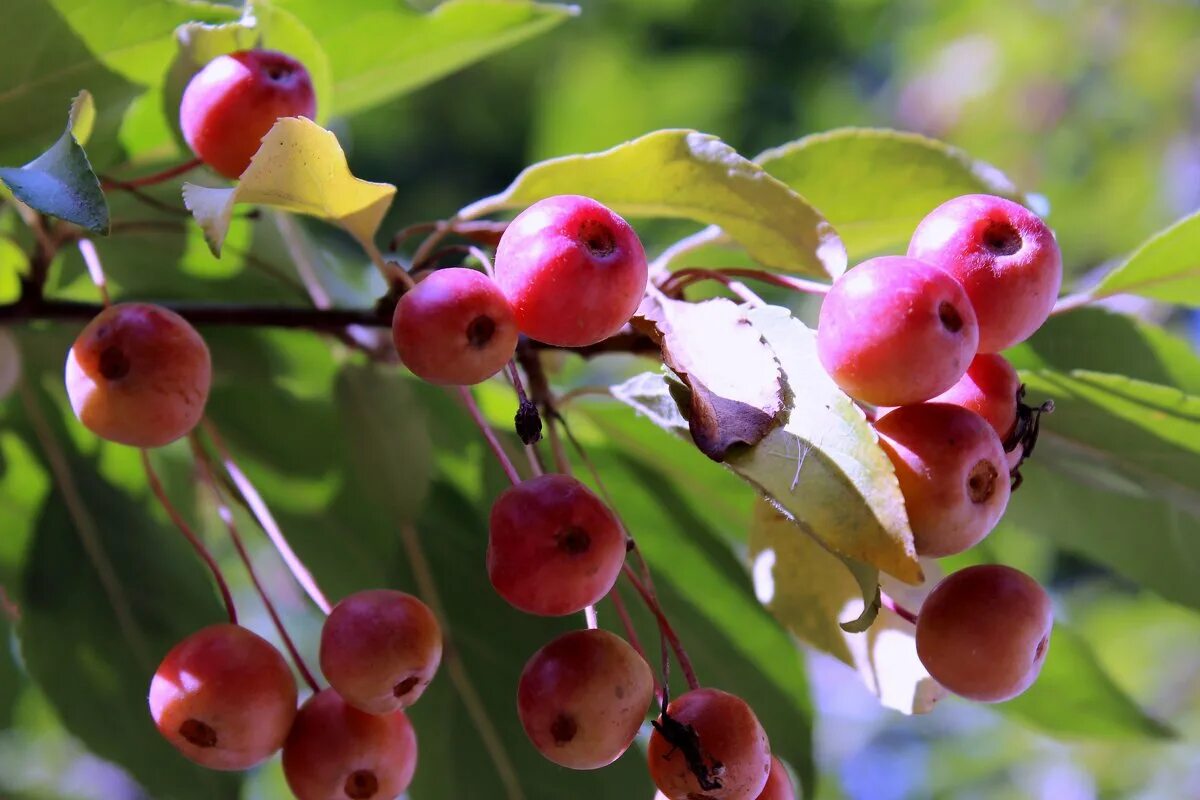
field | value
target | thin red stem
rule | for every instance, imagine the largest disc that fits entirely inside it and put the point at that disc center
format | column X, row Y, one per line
column 687, row 276
column 266, row 521
column 202, row 551
column 664, row 625
column 493, row 442
column 226, row 515
column 152, row 179
column 95, row 268
column 891, row 605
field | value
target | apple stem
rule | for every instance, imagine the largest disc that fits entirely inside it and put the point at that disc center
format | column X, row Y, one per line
column 888, row 602
column 664, row 626
column 254, row 502
column 95, row 268
column 107, row 183
column 226, row 515
column 679, row 279
column 159, row 492
column 489, row 435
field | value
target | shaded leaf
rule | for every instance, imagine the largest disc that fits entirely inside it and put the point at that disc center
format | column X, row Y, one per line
column 733, row 378
column 1132, row 347
column 1074, row 697
column 874, row 185
column 689, row 175
column 300, row 167
column 1166, row 267
column 60, row 182
column 385, row 49
column 108, row 588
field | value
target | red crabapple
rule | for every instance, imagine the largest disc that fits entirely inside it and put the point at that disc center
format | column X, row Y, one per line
column 379, row 649
column 455, row 327
column 724, row 737
column 895, row 330
column 336, row 752
column 990, row 389
column 139, row 374
column 1005, row 257
column 553, row 547
column 231, row 104
column 779, row 785
column 573, row 269
column 583, row 697
column 224, row 697
column 953, row 474
column 983, row 632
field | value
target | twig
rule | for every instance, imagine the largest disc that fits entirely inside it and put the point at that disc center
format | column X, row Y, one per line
column 157, row 488
column 226, row 515
column 266, row 521
column 493, row 442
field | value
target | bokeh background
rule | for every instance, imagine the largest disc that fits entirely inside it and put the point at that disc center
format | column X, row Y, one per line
column 1093, row 105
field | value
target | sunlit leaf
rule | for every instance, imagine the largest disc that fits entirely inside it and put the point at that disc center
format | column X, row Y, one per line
column 874, row 185
column 299, row 167
column 688, row 175
column 60, row 182
column 383, row 48
column 1167, row 267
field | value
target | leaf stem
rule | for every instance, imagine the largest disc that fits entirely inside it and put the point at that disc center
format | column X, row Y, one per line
column 226, row 515
column 1073, row 301
column 254, row 502
column 687, row 276
column 489, row 435
column 157, row 488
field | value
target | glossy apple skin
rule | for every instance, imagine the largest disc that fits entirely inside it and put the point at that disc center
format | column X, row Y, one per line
column 553, row 546
column 984, row 631
column 231, row 104
column 380, row 649
column 336, row 752
column 139, row 374
column 953, row 473
column 455, row 327
column 989, row 388
column 1004, row 256
column 728, row 732
column 224, row 698
column 894, row 331
column 574, row 271
column 583, row 697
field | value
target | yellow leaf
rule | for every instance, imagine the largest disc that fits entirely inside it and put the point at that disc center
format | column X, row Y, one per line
column 809, row 590
column 299, row 167
column 82, row 117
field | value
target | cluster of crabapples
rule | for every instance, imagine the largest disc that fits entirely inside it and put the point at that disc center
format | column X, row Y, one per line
column 918, row 337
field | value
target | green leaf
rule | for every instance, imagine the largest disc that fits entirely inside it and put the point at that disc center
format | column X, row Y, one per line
column 1116, row 478
column 299, row 167
column 1166, row 267
column 805, row 588
column 384, row 49
column 52, row 48
column 60, row 182
column 688, row 175
column 107, row 590
column 1074, row 697
column 1132, row 347
column 824, row 466
column 874, row 185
